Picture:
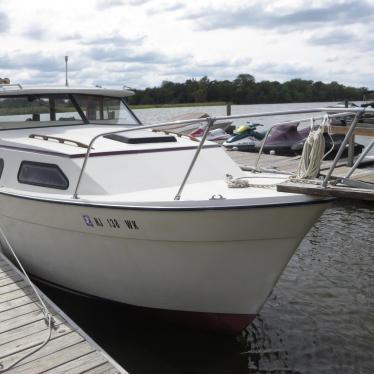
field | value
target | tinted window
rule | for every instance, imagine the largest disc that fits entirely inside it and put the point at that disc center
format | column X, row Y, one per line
column 40, row 174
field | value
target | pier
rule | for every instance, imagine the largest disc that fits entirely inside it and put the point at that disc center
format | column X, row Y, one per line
column 28, row 344
column 364, row 173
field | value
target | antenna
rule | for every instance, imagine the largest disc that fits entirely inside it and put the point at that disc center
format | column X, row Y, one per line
column 66, row 70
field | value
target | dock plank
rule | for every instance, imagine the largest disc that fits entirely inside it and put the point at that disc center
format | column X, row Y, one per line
column 54, row 345
column 19, row 311
column 104, row 369
column 23, row 329
column 21, row 344
column 15, row 294
column 20, row 321
column 52, row 359
column 10, row 280
column 7, row 274
column 17, row 302
column 13, row 287
column 4, row 268
column 80, row 365
column 332, row 191
column 26, row 330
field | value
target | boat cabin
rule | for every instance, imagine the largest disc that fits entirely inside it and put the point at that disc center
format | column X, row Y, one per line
column 45, row 134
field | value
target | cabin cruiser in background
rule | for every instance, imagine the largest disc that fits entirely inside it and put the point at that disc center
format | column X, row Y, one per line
column 94, row 202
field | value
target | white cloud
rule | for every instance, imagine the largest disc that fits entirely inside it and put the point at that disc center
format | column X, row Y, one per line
column 143, row 42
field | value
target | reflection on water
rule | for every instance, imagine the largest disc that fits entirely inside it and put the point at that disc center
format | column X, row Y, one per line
column 319, row 318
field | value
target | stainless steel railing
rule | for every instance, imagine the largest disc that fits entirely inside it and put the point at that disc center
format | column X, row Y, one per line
column 209, row 121
column 344, row 114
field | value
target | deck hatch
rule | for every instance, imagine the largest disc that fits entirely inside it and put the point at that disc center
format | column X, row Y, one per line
column 141, row 139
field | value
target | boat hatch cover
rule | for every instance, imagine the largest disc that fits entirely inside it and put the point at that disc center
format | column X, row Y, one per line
column 141, row 139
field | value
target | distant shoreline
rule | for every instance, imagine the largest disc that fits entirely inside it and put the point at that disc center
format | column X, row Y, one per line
column 177, row 105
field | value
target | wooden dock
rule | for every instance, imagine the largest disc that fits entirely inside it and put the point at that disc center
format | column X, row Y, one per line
column 247, row 160
column 23, row 328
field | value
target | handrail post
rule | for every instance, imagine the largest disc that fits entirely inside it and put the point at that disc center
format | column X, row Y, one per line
column 210, row 122
column 75, row 195
column 342, row 147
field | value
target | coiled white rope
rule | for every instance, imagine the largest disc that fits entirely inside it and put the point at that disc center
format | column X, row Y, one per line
column 47, row 315
column 313, row 153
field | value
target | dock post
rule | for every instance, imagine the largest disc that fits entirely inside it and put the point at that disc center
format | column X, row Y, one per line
column 362, row 156
column 351, row 150
column 228, row 109
column 351, row 144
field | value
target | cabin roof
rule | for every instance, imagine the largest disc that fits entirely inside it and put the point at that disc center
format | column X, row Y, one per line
column 18, row 90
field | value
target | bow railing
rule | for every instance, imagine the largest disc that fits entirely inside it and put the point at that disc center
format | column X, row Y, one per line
column 209, row 122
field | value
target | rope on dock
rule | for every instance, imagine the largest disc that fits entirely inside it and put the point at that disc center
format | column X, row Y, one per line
column 47, row 314
column 313, row 152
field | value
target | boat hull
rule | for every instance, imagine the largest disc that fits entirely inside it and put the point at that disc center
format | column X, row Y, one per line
column 222, row 262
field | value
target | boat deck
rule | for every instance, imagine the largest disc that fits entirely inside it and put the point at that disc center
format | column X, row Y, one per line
column 289, row 164
column 23, row 328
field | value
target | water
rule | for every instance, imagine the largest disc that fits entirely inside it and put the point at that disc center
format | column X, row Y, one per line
column 319, row 318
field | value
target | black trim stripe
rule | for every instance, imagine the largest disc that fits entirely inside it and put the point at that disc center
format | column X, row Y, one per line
column 102, row 154
column 77, row 202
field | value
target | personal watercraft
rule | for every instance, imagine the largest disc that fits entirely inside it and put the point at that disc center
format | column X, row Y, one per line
column 245, row 138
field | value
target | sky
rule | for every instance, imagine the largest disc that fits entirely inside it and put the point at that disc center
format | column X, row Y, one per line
column 141, row 43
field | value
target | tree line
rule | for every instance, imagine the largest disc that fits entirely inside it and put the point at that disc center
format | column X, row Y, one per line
column 245, row 90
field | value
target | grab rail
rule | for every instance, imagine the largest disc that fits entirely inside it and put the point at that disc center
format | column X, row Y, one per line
column 209, row 122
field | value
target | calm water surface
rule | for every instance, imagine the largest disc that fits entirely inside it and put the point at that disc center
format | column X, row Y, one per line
column 319, row 318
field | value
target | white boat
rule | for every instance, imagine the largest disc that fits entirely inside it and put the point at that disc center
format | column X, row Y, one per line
column 121, row 225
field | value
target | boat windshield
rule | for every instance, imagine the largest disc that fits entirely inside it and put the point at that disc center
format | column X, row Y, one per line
column 105, row 110
column 59, row 110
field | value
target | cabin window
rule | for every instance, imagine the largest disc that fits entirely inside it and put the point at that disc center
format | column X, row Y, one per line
column 1, row 166
column 41, row 174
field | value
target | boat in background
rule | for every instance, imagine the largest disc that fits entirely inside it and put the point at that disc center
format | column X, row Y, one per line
column 289, row 139
column 245, row 138
column 188, row 128
column 213, row 135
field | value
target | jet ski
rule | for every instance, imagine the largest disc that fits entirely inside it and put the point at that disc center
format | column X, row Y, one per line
column 288, row 140
column 245, row 138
